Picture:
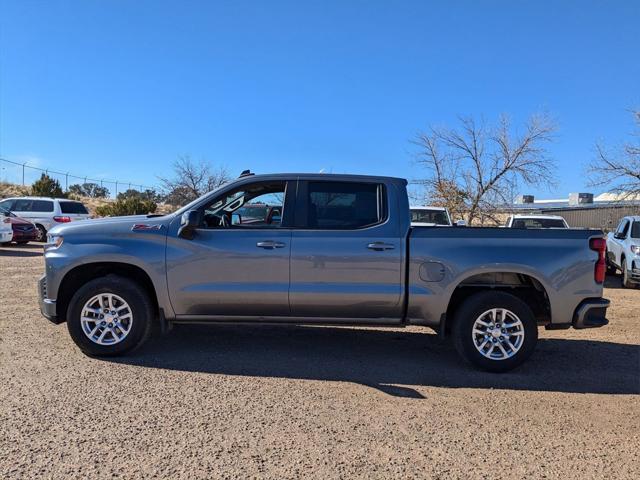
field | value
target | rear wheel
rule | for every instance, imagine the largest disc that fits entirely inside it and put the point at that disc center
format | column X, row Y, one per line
column 110, row 316
column 495, row 331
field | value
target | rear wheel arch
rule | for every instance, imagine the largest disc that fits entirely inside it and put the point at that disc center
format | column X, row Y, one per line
column 42, row 235
column 82, row 274
column 523, row 286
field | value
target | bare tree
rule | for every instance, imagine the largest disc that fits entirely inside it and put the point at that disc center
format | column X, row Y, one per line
column 192, row 180
column 476, row 168
column 619, row 170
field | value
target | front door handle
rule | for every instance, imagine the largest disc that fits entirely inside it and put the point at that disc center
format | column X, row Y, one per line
column 380, row 246
column 270, row 244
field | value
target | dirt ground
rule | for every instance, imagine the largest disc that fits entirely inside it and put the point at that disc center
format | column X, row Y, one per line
column 285, row 402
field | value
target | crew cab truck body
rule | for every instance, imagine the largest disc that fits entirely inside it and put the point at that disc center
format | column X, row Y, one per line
column 342, row 253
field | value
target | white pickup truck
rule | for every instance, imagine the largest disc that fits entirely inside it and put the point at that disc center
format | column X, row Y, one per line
column 623, row 250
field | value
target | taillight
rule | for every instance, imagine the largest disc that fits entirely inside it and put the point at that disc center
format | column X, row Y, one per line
column 62, row 219
column 600, row 246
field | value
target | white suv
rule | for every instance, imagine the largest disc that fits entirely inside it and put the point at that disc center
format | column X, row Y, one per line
column 45, row 213
column 623, row 250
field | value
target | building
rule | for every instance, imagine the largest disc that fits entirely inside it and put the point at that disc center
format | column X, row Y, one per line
column 583, row 210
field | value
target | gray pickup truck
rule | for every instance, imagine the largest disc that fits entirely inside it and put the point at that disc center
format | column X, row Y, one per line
column 341, row 251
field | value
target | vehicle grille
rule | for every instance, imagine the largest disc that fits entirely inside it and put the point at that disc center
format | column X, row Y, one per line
column 24, row 228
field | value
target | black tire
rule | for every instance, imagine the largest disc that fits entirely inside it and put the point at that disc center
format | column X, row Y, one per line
column 141, row 308
column 472, row 308
column 626, row 281
column 42, row 234
column 611, row 268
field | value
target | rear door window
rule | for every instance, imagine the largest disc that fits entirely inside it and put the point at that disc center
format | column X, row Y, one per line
column 73, row 207
column 344, row 205
column 42, row 206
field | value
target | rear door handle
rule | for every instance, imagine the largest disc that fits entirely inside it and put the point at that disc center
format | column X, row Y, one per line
column 270, row 244
column 380, row 246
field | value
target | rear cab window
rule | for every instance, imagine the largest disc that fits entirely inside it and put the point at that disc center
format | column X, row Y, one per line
column 538, row 223
column 344, row 205
column 73, row 208
column 425, row 215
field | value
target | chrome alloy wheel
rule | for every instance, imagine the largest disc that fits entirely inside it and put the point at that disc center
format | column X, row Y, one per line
column 106, row 319
column 498, row 334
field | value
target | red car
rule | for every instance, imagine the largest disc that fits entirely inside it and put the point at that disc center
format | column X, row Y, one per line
column 23, row 230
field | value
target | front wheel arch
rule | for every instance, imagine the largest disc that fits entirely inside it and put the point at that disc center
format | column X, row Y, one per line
column 82, row 274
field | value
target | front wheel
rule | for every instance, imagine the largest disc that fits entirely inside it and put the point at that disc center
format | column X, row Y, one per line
column 110, row 316
column 495, row 331
column 626, row 281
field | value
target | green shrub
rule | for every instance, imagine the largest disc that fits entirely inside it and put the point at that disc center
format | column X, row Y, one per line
column 46, row 186
column 127, row 206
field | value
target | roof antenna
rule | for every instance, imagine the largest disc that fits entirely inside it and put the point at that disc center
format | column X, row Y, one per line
column 246, row 173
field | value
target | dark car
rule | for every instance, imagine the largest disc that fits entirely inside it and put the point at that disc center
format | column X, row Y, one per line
column 23, row 230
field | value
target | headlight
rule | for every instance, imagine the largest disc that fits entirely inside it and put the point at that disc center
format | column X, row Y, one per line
column 635, row 249
column 54, row 241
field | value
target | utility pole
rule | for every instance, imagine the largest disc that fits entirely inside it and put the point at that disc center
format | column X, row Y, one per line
column 23, row 173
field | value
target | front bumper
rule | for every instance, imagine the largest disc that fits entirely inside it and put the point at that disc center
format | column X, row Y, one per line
column 591, row 313
column 22, row 236
column 48, row 306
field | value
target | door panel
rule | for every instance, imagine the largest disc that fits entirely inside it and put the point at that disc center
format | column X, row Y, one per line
column 335, row 274
column 232, row 268
column 342, row 271
column 225, row 272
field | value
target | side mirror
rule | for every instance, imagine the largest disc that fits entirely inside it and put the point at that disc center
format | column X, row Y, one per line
column 236, row 219
column 188, row 223
column 461, row 223
column 618, row 236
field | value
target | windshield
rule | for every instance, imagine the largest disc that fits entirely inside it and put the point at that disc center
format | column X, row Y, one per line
column 4, row 211
column 425, row 215
column 538, row 223
column 193, row 203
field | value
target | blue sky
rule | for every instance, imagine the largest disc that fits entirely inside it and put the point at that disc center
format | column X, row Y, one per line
column 119, row 89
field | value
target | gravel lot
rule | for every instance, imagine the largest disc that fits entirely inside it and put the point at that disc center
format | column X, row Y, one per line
column 234, row 402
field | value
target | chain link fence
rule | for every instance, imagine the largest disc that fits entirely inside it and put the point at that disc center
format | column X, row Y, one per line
column 25, row 174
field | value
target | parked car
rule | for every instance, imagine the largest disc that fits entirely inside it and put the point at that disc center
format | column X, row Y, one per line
column 430, row 216
column 344, row 254
column 623, row 250
column 258, row 214
column 536, row 221
column 6, row 232
column 46, row 213
column 23, row 230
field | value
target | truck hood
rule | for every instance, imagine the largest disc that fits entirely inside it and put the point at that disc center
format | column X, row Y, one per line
column 109, row 224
